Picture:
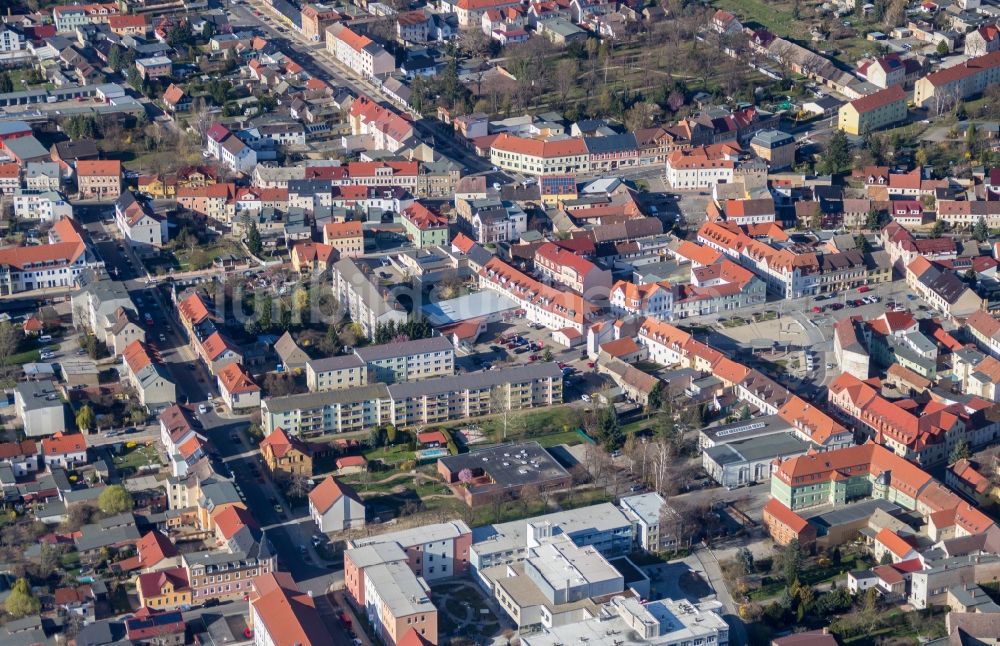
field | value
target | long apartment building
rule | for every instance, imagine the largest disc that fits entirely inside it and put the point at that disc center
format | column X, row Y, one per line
column 387, row 363
column 539, row 157
column 944, row 88
column 426, row 401
column 359, row 52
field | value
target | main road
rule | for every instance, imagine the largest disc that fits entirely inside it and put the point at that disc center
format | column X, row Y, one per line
column 314, row 57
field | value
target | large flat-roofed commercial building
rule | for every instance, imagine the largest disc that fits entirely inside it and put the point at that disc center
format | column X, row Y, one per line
column 658, row 623
column 603, row 526
column 556, row 584
column 743, row 430
column 748, row 461
column 504, row 471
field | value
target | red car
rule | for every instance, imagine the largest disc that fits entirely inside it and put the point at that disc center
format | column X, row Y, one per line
column 863, row 289
column 817, row 309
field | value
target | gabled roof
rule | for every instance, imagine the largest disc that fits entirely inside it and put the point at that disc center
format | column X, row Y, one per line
column 893, row 542
column 151, row 583
column 98, row 168
column 60, row 444
column 281, row 443
column 328, row 492
column 236, row 381
column 785, row 516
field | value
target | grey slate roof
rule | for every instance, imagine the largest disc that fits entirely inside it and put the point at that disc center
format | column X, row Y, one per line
column 475, row 380
column 407, row 348
column 327, row 398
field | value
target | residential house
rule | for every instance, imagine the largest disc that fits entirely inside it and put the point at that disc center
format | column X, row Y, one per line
column 424, row 227
column 99, row 179
column 873, row 112
column 150, row 378
column 286, row 456
column 334, row 506
column 66, row 451
column 237, row 388
column 359, row 52
column 348, row 238
column 143, row 230
column 164, row 590
column 39, row 408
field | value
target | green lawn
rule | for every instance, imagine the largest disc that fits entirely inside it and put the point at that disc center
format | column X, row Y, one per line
column 140, row 456
column 29, row 356
column 555, row 439
column 391, row 455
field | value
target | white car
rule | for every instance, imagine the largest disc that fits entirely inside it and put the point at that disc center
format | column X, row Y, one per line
column 202, row 408
column 585, row 398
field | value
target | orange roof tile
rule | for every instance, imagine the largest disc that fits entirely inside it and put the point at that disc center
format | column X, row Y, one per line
column 785, row 516
column 328, row 492
column 98, row 168
column 236, row 381
column 893, row 542
column 193, row 310
column 538, row 148
column 60, row 444
column 341, row 230
column 232, row 519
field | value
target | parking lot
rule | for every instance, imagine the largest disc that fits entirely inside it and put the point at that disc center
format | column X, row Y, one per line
column 525, row 343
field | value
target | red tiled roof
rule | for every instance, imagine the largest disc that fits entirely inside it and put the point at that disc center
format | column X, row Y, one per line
column 151, row 583
column 785, row 516
column 232, row 519
column 98, row 168
column 281, row 443
column 236, row 381
column 341, row 230
column 969, row 68
column 351, row 461
column 24, row 449
column 192, row 309
column 893, row 542
column 539, row 148
column 60, row 444
column 329, row 492
column 153, row 548
column 879, row 99
column 215, row 346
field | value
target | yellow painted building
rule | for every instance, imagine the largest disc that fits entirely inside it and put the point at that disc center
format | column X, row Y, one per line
column 286, row 456
column 164, row 590
column 873, row 112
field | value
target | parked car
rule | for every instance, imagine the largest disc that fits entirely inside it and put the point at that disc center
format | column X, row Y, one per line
column 202, row 408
